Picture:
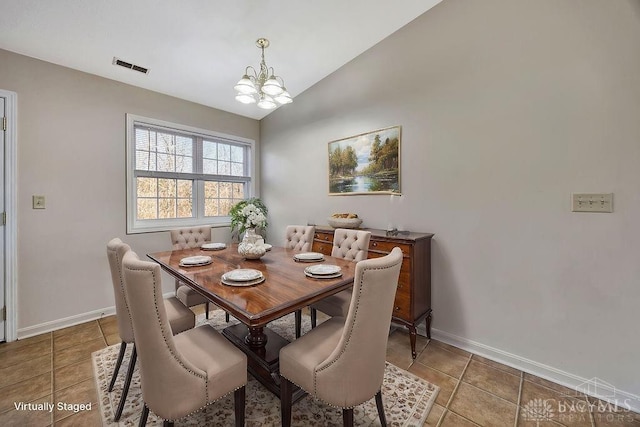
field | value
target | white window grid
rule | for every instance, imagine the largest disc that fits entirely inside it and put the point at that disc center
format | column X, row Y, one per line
column 240, row 159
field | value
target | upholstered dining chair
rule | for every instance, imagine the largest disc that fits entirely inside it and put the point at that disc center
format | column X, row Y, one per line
column 299, row 237
column 179, row 316
column 347, row 244
column 184, row 373
column 187, row 238
column 342, row 361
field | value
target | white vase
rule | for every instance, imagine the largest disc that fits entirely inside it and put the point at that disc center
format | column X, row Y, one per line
column 251, row 246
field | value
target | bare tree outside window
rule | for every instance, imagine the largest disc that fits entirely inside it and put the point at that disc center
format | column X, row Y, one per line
column 164, row 152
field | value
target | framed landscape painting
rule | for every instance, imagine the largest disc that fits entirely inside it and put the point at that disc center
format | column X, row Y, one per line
column 368, row 163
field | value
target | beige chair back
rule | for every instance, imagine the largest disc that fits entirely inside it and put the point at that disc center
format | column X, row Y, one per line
column 185, row 238
column 299, row 237
column 167, row 377
column 351, row 244
column 115, row 252
column 354, row 371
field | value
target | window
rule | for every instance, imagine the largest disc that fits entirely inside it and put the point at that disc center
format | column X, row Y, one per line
column 178, row 176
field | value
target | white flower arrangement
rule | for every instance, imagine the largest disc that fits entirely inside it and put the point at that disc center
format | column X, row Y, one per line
column 250, row 213
column 254, row 217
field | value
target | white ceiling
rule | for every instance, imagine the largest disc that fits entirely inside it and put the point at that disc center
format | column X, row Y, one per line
column 198, row 49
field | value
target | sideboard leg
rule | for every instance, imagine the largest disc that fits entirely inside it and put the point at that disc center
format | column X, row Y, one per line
column 427, row 322
column 412, row 338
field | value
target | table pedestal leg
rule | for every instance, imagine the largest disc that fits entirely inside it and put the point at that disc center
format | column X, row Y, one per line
column 262, row 347
column 256, row 339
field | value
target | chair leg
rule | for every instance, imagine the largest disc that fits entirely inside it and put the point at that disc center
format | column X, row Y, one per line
column 206, row 307
column 127, row 383
column 298, row 323
column 314, row 317
column 383, row 419
column 144, row 416
column 123, row 347
column 286, row 391
column 167, row 423
column 347, row 417
column 239, row 397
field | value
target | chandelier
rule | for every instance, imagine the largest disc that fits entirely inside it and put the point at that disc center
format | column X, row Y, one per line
column 264, row 87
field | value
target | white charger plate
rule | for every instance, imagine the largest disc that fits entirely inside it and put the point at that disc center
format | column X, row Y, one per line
column 193, row 261
column 323, row 276
column 309, row 257
column 242, row 275
column 322, row 269
column 213, row 246
column 247, row 283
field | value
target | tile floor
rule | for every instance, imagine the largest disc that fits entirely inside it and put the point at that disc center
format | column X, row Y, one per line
column 56, row 367
column 475, row 391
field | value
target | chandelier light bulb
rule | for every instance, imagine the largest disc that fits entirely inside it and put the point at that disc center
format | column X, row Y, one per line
column 267, row 103
column 272, row 86
column 245, row 98
column 284, row 97
column 245, row 85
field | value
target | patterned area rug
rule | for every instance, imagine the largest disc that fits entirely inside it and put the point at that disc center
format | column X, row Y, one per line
column 407, row 398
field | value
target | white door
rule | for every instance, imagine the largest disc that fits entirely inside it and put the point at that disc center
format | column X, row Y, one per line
column 3, row 309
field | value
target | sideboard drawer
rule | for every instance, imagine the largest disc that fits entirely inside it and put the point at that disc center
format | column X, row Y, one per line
column 384, row 246
column 406, row 262
column 322, row 247
column 402, row 305
column 324, row 237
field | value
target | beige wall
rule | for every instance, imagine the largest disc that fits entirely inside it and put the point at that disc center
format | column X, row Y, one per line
column 71, row 148
column 506, row 107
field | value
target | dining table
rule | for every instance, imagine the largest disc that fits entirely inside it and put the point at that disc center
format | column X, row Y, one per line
column 285, row 289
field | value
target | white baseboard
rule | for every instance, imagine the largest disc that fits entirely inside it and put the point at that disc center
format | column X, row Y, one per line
column 591, row 386
column 54, row 325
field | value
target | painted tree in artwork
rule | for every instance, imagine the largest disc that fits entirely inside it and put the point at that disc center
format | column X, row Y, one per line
column 343, row 162
column 383, row 157
column 375, row 149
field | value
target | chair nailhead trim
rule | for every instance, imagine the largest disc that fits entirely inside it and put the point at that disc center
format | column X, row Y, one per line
column 202, row 407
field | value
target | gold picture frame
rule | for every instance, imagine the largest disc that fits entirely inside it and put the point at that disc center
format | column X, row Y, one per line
column 368, row 163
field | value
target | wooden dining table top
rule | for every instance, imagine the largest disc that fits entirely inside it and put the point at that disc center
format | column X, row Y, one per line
column 286, row 287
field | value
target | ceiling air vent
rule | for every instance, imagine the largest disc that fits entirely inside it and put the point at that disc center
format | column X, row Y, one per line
column 130, row 66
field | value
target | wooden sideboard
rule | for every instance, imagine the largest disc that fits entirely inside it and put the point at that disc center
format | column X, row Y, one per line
column 413, row 297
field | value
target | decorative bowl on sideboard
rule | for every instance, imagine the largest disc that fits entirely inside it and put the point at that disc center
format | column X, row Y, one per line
column 344, row 222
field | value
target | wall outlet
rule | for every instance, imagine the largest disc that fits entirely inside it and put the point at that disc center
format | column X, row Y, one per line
column 38, row 202
column 592, row 202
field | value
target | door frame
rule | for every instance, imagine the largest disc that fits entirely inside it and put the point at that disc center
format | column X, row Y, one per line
column 10, row 233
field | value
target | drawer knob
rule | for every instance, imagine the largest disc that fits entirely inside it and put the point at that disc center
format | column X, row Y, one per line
column 374, row 244
column 397, row 308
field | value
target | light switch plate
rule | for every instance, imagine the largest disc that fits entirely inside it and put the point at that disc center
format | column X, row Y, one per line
column 592, row 202
column 38, row 202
